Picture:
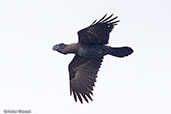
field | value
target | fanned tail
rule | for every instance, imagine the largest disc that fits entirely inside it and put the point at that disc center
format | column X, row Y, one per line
column 121, row 51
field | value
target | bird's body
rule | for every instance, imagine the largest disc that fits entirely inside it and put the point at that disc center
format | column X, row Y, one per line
column 89, row 53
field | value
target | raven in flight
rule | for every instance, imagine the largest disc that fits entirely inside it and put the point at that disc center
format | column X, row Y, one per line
column 89, row 52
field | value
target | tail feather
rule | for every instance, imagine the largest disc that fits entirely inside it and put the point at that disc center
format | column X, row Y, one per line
column 121, row 51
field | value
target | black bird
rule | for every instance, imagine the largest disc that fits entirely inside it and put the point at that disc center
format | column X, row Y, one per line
column 89, row 53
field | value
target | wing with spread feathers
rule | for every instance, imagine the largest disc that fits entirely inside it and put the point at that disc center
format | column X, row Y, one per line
column 98, row 31
column 83, row 73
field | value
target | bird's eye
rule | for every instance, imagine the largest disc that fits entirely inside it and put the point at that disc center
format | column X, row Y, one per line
column 61, row 44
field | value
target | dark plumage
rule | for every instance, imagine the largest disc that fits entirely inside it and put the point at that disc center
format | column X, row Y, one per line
column 89, row 53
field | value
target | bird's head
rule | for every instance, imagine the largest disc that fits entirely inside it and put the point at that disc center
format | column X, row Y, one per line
column 60, row 48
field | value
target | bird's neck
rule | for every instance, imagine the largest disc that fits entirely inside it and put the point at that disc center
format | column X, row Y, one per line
column 70, row 48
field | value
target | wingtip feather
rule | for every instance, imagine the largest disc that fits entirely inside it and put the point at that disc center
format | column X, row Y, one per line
column 79, row 97
column 75, row 97
column 102, row 18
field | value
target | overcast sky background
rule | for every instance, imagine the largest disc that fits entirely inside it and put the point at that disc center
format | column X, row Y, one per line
column 32, row 76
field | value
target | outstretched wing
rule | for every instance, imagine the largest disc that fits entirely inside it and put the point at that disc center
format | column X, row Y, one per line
column 98, row 32
column 83, row 73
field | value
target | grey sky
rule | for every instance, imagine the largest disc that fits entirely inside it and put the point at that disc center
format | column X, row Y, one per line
column 34, row 77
